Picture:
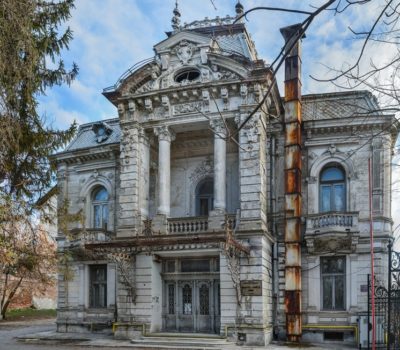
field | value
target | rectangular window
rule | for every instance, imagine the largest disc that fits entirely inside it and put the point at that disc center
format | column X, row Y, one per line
column 98, row 286
column 333, row 273
column 195, row 265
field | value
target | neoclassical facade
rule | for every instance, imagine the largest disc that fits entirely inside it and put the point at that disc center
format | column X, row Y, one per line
column 183, row 200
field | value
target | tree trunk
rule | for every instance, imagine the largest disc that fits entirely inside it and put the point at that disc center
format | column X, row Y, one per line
column 5, row 306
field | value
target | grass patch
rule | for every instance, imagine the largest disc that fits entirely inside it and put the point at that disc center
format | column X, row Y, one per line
column 29, row 313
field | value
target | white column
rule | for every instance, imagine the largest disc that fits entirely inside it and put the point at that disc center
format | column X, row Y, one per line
column 219, row 164
column 144, row 173
column 165, row 137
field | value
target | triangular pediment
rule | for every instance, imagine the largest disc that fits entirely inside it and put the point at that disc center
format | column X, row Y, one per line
column 188, row 36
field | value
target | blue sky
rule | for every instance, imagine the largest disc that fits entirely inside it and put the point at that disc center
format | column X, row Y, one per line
column 112, row 35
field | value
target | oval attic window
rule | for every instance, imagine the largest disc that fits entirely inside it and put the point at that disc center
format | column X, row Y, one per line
column 189, row 75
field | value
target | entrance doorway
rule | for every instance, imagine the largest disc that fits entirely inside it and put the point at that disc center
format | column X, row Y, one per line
column 191, row 296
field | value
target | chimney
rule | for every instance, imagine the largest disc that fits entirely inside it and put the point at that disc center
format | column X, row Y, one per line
column 292, row 183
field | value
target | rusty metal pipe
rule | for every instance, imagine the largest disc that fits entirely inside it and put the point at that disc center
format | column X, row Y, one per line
column 292, row 185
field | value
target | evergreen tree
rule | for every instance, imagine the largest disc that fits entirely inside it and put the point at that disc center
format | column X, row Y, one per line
column 31, row 42
column 30, row 63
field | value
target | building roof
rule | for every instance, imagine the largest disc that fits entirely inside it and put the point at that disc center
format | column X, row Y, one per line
column 337, row 105
column 231, row 38
column 87, row 137
column 314, row 107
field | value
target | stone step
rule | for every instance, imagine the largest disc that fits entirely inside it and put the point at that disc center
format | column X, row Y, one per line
column 181, row 342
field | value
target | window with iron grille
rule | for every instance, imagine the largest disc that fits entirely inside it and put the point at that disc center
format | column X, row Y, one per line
column 171, row 299
column 187, row 299
column 98, row 286
column 204, row 300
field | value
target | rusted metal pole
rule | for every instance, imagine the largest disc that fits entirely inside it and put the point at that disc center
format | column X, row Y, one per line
column 371, row 232
column 292, row 184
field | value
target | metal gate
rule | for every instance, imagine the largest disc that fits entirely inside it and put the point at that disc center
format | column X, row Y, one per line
column 387, row 307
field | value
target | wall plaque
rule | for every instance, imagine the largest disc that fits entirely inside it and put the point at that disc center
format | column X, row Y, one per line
column 251, row 288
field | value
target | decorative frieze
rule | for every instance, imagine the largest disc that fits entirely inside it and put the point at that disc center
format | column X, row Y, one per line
column 189, row 107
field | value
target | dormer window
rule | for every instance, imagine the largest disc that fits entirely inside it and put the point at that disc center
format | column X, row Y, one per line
column 187, row 75
column 102, row 131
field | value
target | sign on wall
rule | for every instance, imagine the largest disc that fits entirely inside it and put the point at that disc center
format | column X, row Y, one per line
column 251, row 288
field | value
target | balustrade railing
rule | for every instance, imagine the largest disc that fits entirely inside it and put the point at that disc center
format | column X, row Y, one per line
column 332, row 219
column 97, row 235
column 188, row 225
column 196, row 224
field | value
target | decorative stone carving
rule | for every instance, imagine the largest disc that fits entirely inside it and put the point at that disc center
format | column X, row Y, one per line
column 184, row 50
column 148, row 104
column 218, row 126
column 257, row 92
column 205, row 169
column 331, row 244
column 332, row 149
column 127, row 145
column 165, row 102
column 227, row 75
column 251, row 131
column 225, row 97
column 206, row 100
column 164, row 133
column 159, row 113
column 121, row 111
column 189, row 107
column 243, row 93
column 143, row 88
column 131, row 110
column 205, row 75
column 312, row 155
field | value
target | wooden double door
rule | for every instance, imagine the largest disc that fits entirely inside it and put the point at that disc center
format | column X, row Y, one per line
column 192, row 305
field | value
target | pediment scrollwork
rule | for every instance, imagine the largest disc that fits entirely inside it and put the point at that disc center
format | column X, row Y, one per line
column 184, row 51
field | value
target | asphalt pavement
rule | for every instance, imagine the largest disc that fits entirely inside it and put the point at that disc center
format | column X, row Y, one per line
column 38, row 335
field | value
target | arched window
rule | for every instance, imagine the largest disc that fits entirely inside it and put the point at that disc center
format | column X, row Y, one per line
column 332, row 189
column 100, row 208
column 205, row 197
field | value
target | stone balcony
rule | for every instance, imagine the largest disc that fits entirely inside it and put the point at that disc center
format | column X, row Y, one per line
column 83, row 236
column 195, row 224
column 332, row 232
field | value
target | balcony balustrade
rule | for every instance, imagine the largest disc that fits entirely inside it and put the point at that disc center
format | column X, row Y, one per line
column 94, row 235
column 195, row 224
column 341, row 221
column 332, row 232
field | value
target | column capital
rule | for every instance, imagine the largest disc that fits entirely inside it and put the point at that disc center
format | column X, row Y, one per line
column 219, row 128
column 164, row 133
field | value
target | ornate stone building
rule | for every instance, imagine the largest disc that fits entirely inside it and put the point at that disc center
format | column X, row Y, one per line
column 186, row 202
